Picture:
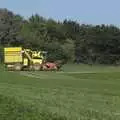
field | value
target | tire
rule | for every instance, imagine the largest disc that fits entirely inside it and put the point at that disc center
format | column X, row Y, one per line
column 55, row 68
column 18, row 67
column 37, row 67
column 44, row 68
column 31, row 68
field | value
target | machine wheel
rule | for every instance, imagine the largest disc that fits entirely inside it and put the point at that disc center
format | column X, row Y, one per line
column 55, row 68
column 31, row 68
column 18, row 67
column 36, row 66
column 44, row 68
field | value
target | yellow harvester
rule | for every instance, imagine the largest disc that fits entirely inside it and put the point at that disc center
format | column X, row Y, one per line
column 17, row 58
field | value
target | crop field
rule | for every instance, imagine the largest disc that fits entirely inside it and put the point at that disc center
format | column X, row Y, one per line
column 79, row 92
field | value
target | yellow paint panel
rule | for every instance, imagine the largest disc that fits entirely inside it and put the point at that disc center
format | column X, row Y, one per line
column 37, row 61
column 12, row 54
column 13, row 49
column 25, row 62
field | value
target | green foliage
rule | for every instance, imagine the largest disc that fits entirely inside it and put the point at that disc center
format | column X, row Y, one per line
column 69, row 50
column 66, row 40
column 55, row 51
column 9, row 28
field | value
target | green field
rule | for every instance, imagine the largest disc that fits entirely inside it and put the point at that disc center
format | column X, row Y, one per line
column 79, row 92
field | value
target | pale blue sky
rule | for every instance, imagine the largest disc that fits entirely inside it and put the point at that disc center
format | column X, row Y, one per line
column 85, row 11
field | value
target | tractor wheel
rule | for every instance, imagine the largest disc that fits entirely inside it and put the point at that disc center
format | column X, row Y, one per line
column 44, row 68
column 55, row 68
column 17, row 67
column 36, row 66
column 31, row 68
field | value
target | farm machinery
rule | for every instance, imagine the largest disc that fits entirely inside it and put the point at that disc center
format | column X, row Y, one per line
column 18, row 58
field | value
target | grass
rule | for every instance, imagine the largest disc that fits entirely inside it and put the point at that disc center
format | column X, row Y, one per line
column 81, row 92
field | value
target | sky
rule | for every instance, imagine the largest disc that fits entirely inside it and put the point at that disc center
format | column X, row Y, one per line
column 83, row 11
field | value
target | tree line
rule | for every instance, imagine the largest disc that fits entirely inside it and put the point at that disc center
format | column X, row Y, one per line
column 69, row 40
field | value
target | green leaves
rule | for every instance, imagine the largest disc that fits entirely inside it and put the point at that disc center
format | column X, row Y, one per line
column 9, row 27
column 67, row 40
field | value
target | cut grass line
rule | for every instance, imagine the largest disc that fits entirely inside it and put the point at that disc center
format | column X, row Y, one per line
column 29, row 75
column 84, row 72
column 43, row 75
column 75, row 72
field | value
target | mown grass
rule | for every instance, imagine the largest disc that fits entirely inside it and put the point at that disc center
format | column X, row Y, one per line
column 11, row 109
column 92, row 93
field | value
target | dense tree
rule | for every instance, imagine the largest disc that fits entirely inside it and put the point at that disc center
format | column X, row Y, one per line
column 67, row 40
column 9, row 28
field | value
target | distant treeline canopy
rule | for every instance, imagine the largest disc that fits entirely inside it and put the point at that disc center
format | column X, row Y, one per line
column 69, row 40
